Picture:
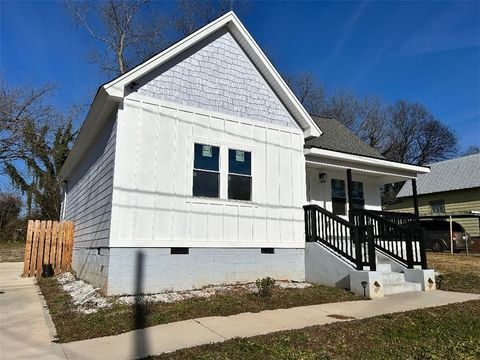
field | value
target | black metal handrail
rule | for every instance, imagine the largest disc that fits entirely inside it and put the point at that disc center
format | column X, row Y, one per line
column 402, row 242
column 354, row 243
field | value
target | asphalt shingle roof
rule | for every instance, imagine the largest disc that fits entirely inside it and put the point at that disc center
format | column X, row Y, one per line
column 337, row 137
column 448, row 175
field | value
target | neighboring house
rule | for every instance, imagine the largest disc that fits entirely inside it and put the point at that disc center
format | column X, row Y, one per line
column 451, row 187
column 194, row 167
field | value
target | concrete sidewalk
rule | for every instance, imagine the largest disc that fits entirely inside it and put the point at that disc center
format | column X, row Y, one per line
column 183, row 334
column 26, row 331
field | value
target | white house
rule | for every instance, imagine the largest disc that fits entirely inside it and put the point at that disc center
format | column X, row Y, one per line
column 194, row 167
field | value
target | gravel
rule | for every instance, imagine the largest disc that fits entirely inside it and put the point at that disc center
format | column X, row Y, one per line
column 88, row 300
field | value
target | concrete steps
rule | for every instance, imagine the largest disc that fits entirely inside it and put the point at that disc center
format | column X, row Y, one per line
column 394, row 282
column 401, row 287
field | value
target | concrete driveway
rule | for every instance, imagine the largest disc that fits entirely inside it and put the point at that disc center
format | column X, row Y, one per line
column 26, row 331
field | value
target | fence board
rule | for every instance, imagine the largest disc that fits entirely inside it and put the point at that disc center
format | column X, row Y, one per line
column 33, row 257
column 41, row 245
column 48, row 239
column 53, row 248
column 58, row 262
column 48, row 242
column 28, row 247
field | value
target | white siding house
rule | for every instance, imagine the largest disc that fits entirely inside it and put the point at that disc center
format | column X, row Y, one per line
column 192, row 169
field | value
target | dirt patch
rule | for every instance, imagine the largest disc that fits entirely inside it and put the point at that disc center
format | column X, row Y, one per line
column 341, row 317
column 12, row 252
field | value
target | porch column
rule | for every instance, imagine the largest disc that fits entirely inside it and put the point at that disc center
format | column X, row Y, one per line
column 423, row 254
column 415, row 198
column 349, row 194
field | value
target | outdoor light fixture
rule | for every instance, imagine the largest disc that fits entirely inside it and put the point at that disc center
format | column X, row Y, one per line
column 322, row 177
column 364, row 285
column 439, row 279
column 133, row 85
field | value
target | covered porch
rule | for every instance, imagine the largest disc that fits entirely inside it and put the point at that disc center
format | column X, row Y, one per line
column 344, row 210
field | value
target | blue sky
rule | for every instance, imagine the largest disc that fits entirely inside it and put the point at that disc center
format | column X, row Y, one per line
column 421, row 51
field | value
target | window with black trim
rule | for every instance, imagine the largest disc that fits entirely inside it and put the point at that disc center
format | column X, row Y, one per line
column 206, row 171
column 239, row 174
column 358, row 200
column 339, row 200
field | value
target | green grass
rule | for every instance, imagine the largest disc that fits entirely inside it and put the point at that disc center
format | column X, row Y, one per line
column 445, row 332
column 11, row 252
column 72, row 325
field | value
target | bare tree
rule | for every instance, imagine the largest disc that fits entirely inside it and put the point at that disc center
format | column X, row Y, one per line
column 128, row 31
column 416, row 137
column 309, row 91
column 344, row 107
column 371, row 123
column 193, row 14
column 471, row 150
column 22, row 108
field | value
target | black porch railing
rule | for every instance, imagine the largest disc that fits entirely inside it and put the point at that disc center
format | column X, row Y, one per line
column 354, row 243
column 396, row 236
column 402, row 219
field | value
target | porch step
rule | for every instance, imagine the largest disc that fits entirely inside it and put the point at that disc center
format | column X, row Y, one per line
column 384, row 268
column 400, row 287
column 393, row 277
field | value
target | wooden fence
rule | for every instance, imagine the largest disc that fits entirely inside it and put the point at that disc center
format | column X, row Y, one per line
column 48, row 242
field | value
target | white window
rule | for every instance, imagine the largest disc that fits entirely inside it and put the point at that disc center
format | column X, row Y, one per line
column 239, row 174
column 206, row 171
column 234, row 176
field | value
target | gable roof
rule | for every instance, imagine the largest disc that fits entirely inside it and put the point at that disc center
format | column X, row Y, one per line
column 337, row 137
column 455, row 174
column 111, row 93
column 116, row 87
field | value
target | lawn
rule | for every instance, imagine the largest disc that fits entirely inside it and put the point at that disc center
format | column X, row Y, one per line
column 11, row 252
column 460, row 272
column 445, row 332
column 72, row 325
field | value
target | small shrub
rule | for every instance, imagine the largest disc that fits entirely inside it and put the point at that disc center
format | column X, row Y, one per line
column 265, row 286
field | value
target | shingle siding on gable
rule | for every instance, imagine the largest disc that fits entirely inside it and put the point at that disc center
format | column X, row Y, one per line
column 220, row 77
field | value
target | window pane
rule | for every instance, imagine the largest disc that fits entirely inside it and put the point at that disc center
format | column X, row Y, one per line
column 205, row 184
column 239, row 187
column 358, row 201
column 357, row 190
column 338, row 188
column 239, row 162
column 438, row 207
column 338, row 206
column 206, row 157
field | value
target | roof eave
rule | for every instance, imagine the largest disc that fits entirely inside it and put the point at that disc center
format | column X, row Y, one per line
column 366, row 160
column 101, row 107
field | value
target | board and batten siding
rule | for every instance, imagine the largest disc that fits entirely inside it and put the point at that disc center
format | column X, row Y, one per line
column 321, row 193
column 152, row 192
column 456, row 202
column 89, row 190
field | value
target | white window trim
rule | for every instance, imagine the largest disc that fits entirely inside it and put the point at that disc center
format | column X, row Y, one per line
column 223, row 169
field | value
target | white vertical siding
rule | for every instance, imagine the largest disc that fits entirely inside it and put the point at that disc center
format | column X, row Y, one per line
column 152, row 200
column 89, row 190
column 321, row 193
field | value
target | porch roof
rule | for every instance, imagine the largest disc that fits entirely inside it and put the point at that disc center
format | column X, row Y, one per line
column 385, row 171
